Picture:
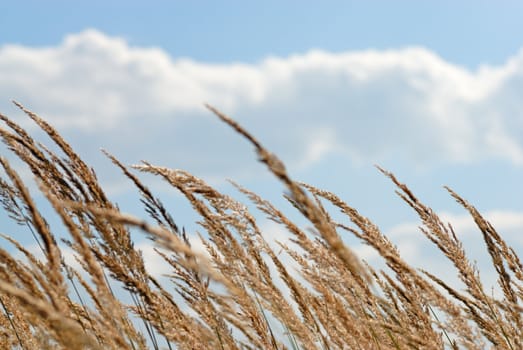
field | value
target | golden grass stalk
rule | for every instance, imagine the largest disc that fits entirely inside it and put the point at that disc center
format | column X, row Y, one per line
column 311, row 293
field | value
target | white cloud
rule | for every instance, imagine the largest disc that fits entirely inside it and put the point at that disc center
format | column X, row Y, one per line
column 418, row 251
column 155, row 264
column 421, row 253
column 463, row 224
column 371, row 105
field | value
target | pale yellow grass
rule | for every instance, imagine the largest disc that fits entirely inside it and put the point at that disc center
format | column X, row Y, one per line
column 241, row 295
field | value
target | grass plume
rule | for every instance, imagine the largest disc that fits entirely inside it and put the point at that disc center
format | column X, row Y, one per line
column 241, row 293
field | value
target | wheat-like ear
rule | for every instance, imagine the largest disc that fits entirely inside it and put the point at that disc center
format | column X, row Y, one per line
column 67, row 330
column 306, row 290
column 306, row 206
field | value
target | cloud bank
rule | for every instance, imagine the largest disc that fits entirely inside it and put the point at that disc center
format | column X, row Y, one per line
column 365, row 106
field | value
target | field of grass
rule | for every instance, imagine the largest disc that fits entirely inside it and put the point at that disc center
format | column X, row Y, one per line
column 241, row 294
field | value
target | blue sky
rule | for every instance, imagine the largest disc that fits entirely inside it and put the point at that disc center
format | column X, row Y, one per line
column 464, row 32
column 429, row 90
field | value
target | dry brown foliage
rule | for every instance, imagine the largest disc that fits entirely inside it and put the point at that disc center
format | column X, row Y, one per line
column 242, row 294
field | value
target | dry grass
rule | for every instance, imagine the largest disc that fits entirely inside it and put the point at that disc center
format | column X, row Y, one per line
column 242, row 293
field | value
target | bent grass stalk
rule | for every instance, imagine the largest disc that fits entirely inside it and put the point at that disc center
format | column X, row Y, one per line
column 241, row 294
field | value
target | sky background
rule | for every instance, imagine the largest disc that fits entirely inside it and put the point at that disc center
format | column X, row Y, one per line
column 428, row 90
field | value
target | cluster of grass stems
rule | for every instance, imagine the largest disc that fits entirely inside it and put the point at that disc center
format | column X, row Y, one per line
column 240, row 294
